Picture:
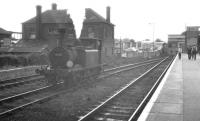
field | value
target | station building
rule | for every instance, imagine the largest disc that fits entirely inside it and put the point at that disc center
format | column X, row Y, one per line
column 96, row 26
column 43, row 28
column 176, row 41
column 192, row 37
column 189, row 38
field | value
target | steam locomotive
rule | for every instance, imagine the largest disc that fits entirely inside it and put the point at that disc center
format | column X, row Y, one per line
column 73, row 63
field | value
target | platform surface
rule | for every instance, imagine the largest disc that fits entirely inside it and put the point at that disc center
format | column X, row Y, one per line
column 178, row 95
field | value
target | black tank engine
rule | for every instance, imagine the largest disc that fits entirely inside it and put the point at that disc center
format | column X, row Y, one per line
column 73, row 63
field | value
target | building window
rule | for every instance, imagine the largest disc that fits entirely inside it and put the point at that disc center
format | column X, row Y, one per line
column 91, row 32
column 53, row 31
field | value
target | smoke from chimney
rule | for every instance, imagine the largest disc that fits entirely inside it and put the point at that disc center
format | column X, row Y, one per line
column 108, row 14
column 38, row 21
column 54, row 6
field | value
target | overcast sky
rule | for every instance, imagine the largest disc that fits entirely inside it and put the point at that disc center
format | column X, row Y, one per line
column 131, row 17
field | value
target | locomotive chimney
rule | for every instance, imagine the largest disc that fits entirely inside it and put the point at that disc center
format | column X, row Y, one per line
column 54, row 6
column 108, row 14
column 62, row 32
column 38, row 21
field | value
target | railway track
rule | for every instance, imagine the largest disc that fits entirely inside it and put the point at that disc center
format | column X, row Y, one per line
column 127, row 103
column 19, row 86
column 119, row 69
column 124, row 66
column 20, row 81
column 13, row 103
column 106, row 73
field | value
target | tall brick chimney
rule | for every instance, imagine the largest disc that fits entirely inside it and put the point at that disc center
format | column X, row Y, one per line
column 108, row 14
column 54, row 6
column 38, row 22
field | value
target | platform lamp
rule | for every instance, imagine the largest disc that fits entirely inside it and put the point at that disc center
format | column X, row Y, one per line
column 153, row 33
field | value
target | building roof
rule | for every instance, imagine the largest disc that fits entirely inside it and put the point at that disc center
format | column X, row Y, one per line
column 53, row 16
column 3, row 31
column 176, row 36
column 92, row 16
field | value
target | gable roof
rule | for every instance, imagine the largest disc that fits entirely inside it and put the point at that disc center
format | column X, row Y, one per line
column 92, row 16
column 53, row 16
column 3, row 31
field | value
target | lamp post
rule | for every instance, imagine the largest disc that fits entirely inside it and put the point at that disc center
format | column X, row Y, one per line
column 121, row 47
column 153, row 33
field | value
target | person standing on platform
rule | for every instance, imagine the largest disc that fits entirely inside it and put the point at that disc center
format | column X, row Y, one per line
column 179, row 52
column 189, row 52
column 194, row 53
column 192, row 57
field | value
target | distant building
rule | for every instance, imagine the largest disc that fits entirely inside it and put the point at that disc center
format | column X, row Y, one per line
column 158, row 45
column 176, row 41
column 122, row 46
column 4, row 34
column 139, row 45
column 95, row 26
column 117, row 47
column 5, row 37
column 45, row 25
column 192, row 35
column 128, row 43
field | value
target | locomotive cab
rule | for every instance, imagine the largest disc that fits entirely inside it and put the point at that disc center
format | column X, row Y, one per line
column 94, row 44
column 91, row 43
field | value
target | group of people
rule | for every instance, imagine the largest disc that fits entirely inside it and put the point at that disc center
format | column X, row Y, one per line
column 192, row 52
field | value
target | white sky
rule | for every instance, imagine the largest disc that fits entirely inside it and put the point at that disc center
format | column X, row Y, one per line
column 131, row 17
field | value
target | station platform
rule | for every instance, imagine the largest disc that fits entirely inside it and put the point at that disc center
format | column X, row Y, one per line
column 177, row 97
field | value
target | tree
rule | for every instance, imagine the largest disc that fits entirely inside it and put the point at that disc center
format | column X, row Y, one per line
column 158, row 40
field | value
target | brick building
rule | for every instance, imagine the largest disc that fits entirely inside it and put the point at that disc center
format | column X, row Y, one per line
column 44, row 26
column 176, row 41
column 95, row 26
